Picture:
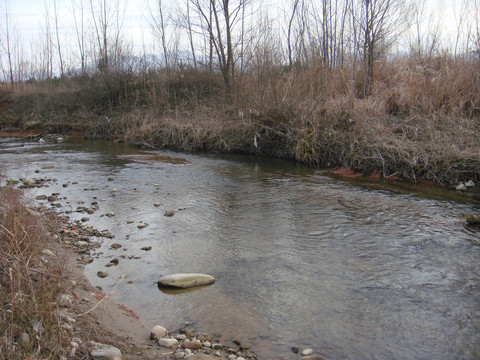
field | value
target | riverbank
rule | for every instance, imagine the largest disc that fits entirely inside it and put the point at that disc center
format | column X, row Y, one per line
column 52, row 311
column 420, row 121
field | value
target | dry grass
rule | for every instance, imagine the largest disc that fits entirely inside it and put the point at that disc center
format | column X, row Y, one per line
column 26, row 292
column 421, row 118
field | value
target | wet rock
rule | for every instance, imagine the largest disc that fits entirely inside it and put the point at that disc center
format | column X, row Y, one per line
column 204, row 337
column 184, row 281
column 192, row 345
column 114, row 261
column 168, row 342
column 88, row 260
column 169, row 213
column 84, row 219
column 102, row 274
column 115, row 246
column 473, row 219
column 158, row 332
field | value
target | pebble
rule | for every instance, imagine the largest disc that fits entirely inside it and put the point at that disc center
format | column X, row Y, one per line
column 158, row 332
column 146, row 248
column 102, row 274
column 142, row 225
column 168, row 342
column 192, row 345
column 157, row 204
column 461, row 187
column 104, row 352
column 116, row 246
column 169, row 213
column 307, row 352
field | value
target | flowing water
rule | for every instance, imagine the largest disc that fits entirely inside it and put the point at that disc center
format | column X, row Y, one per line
column 355, row 270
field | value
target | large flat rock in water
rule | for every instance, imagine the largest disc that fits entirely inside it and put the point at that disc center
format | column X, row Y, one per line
column 184, row 281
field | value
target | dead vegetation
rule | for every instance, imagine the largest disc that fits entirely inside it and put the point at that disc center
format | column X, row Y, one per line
column 29, row 326
column 421, row 118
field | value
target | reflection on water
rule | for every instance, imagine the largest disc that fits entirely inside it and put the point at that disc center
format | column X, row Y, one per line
column 353, row 270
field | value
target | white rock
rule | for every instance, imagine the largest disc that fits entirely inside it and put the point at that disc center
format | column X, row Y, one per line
column 167, row 342
column 207, row 344
column 461, row 187
column 181, row 337
column 104, row 352
column 307, row 352
column 65, row 300
column 158, row 332
column 179, row 355
column 470, row 184
column 48, row 252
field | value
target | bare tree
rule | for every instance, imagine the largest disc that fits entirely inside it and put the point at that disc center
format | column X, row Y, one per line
column 78, row 8
column 380, row 23
column 59, row 49
column 107, row 19
column 7, row 33
column 221, row 19
column 158, row 23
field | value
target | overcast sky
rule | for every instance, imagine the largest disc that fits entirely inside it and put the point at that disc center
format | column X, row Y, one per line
column 27, row 18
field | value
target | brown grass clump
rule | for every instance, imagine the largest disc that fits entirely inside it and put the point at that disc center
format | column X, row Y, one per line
column 29, row 328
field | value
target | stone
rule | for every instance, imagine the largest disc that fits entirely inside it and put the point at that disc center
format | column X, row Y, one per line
column 184, row 281
column 41, row 197
column 48, row 166
column 461, row 187
column 217, row 346
column 199, row 356
column 470, row 184
column 157, row 204
column 312, row 357
column 158, row 332
column 24, row 339
column 181, row 337
column 207, row 344
column 192, row 345
column 102, row 274
column 48, row 252
column 169, row 213
column 168, row 342
column 110, row 178
column 142, row 225
column 204, row 337
column 115, row 246
column 104, row 352
column 65, row 300
column 472, row 219
column 84, row 219
column 110, row 214
column 146, row 248
column 307, row 352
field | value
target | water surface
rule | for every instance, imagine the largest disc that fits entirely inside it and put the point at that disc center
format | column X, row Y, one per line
column 354, row 270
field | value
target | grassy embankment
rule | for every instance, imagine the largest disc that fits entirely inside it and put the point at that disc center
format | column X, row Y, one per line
column 420, row 120
column 29, row 284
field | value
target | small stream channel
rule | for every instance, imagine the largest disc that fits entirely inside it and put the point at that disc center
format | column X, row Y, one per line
column 352, row 269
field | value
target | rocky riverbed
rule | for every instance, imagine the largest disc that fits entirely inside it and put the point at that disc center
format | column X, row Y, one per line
column 98, row 327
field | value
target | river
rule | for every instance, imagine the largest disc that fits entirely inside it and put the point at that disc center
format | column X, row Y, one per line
column 353, row 269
